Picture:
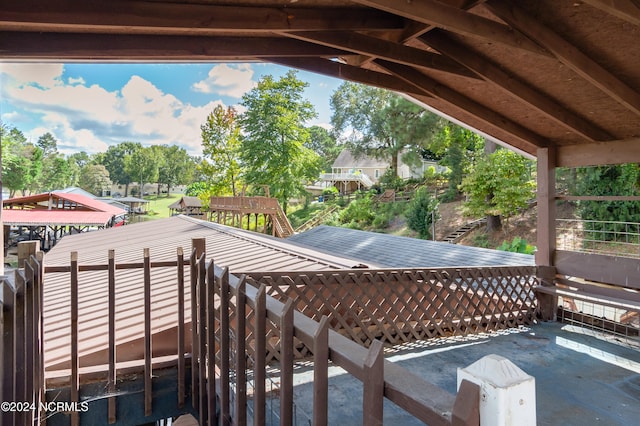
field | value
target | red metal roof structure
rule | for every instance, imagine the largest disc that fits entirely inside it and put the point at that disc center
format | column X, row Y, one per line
column 58, row 209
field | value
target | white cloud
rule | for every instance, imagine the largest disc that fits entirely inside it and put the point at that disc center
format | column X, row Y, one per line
column 91, row 118
column 43, row 75
column 230, row 80
column 78, row 80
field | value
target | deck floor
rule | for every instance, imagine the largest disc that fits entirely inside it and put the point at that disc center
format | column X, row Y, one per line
column 582, row 378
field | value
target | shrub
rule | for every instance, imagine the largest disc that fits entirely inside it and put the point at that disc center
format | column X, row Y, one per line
column 421, row 212
column 517, row 245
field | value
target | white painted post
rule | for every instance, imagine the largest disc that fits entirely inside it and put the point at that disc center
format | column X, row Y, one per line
column 507, row 394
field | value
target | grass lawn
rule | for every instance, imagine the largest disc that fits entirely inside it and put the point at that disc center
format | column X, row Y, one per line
column 158, row 206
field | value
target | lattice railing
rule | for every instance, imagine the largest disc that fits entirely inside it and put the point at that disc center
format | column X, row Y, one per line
column 397, row 306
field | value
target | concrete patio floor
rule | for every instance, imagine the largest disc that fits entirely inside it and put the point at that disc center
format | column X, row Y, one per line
column 582, row 377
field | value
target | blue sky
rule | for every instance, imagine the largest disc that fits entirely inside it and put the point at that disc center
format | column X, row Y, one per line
column 88, row 107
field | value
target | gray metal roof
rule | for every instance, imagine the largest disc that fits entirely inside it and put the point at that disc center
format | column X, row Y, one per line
column 390, row 251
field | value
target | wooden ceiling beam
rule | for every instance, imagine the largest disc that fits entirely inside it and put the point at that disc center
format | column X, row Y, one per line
column 599, row 153
column 455, row 20
column 347, row 72
column 528, row 140
column 373, row 46
column 567, row 53
column 48, row 46
column 629, row 10
column 144, row 17
column 512, row 85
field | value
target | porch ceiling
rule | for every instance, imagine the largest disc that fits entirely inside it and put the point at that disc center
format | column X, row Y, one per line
column 532, row 73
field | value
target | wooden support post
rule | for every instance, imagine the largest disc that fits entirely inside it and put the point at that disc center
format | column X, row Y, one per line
column 286, row 364
column 225, row 350
column 373, row 384
column 26, row 249
column 260, row 331
column 75, row 361
column 546, row 233
column 211, row 346
column 320, row 373
column 202, row 339
column 197, row 249
column 111, row 378
column 241, row 361
column 30, row 336
column 8, row 349
column 148, row 354
column 181, row 363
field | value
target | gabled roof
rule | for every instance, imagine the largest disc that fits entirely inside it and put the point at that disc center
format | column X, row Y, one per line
column 530, row 74
column 132, row 200
column 186, row 201
column 390, row 251
column 62, row 201
column 347, row 159
column 55, row 217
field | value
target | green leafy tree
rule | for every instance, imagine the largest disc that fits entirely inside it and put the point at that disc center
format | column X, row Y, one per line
column 221, row 145
column 77, row 161
column 499, row 185
column 176, row 168
column 273, row 147
column 57, row 172
column 323, row 143
column 114, row 160
column 21, row 162
column 422, row 212
column 608, row 180
column 94, row 178
column 142, row 165
column 48, row 144
column 381, row 124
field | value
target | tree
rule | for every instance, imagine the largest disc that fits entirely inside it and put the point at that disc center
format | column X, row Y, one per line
column 381, row 124
column 21, row 162
column 94, row 178
column 77, row 161
column 57, row 172
column 421, row 213
column 323, row 143
column 499, row 185
column 221, row 149
column 177, row 167
column 273, row 151
column 114, row 161
column 142, row 165
column 48, row 144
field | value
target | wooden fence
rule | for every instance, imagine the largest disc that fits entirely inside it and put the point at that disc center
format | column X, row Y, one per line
column 21, row 356
column 241, row 323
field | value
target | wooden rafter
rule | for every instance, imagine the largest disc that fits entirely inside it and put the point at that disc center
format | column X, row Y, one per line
column 629, row 10
column 372, row 46
column 528, row 140
column 17, row 45
column 514, row 86
column 141, row 17
column 348, row 72
column 455, row 20
column 612, row 152
column 567, row 53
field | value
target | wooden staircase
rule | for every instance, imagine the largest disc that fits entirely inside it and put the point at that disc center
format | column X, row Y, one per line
column 281, row 224
column 464, row 230
column 316, row 220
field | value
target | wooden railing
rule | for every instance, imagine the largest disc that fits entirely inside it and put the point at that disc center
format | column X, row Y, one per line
column 21, row 355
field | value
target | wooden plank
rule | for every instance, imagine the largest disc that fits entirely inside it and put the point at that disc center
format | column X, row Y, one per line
column 320, row 373
column 600, row 153
column 181, row 335
column 373, row 385
column 286, row 364
column 598, row 299
column 8, row 349
column 25, row 250
column 75, row 361
column 616, row 270
column 111, row 377
column 29, row 311
column 260, row 352
column 201, row 323
column 456, row 20
column 211, row 346
column 629, row 10
column 40, row 259
column 601, row 289
column 240, row 360
column 513, row 85
column 580, row 62
column 148, row 354
column 466, row 410
column 197, row 248
column 598, row 197
column 225, row 349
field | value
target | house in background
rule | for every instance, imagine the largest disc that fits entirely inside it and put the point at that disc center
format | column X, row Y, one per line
column 190, row 206
column 350, row 173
